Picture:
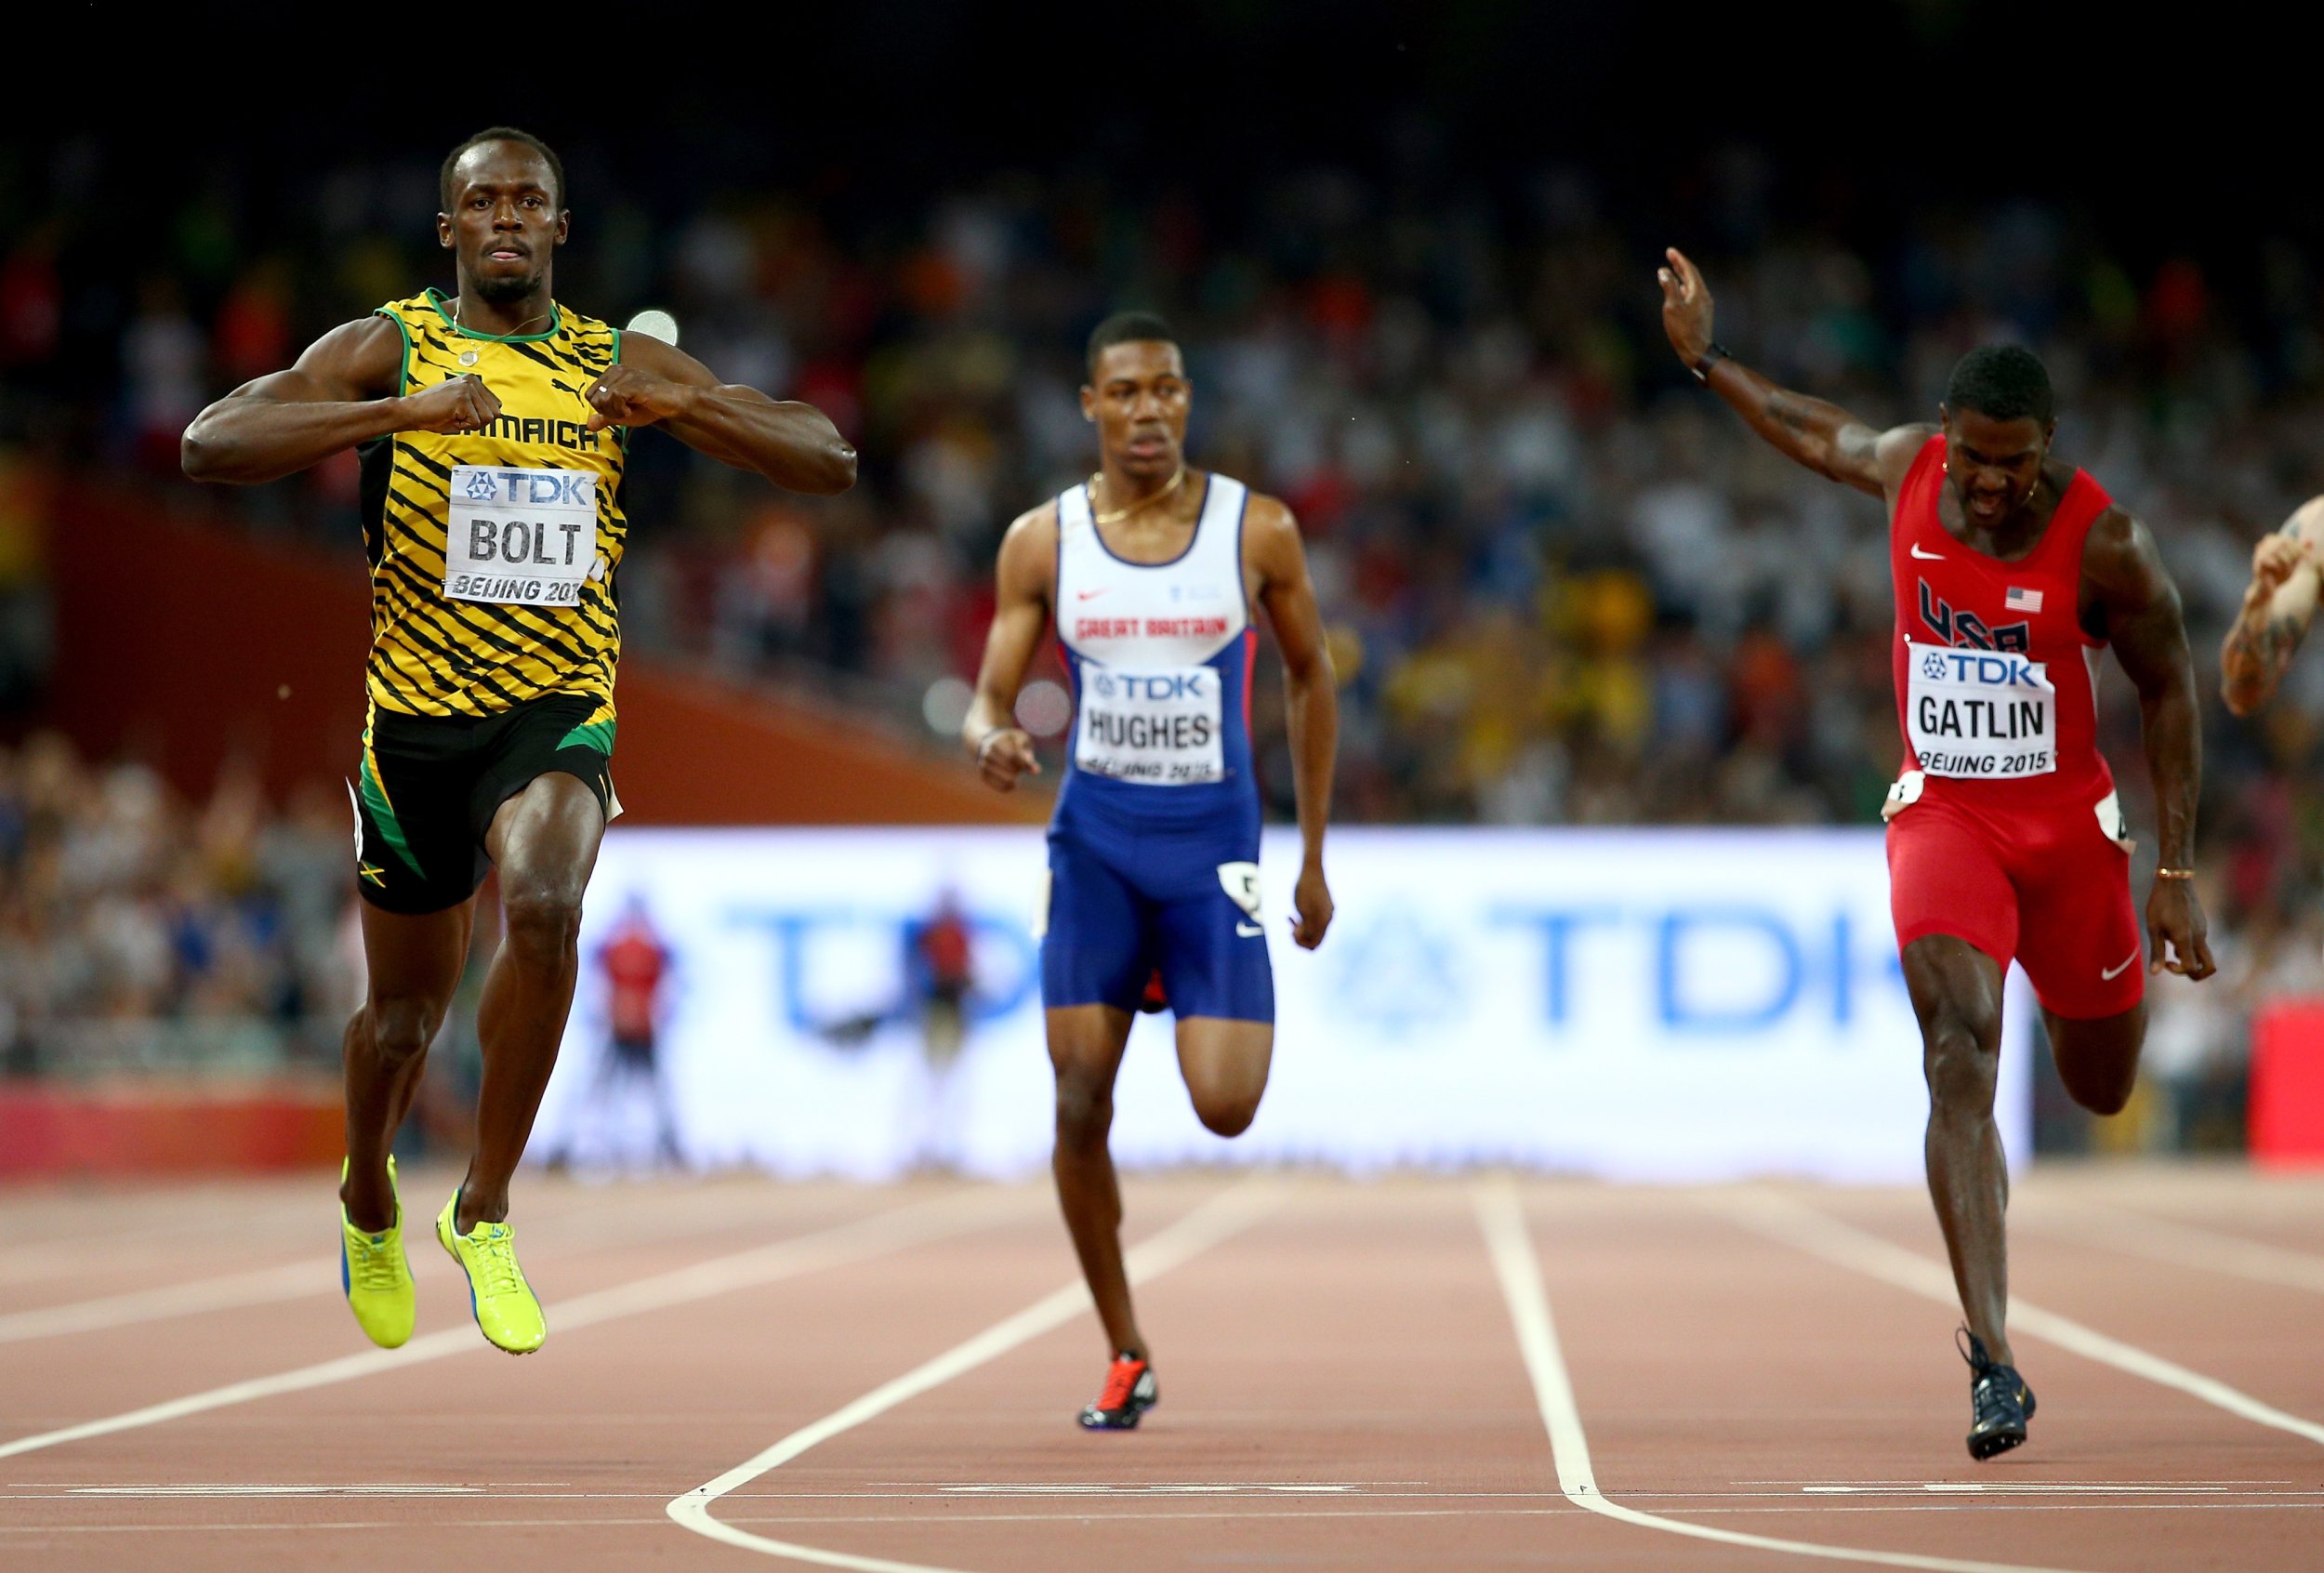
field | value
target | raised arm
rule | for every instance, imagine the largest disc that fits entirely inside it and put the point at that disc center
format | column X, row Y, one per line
column 1028, row 557
column 2277, row 610
column 347, row 389
column 2140, row 606
column 1311, row 698
column 794, row 446
column 1822, row 436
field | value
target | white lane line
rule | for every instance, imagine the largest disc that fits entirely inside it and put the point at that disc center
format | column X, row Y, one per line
column 1563, row 1510
column 1218, row 1220
column 840, row 1245
column 292, row 1281
column 1112, row 1488
column 2183, row 1244
column 2039, row 1487
column 180, row 1492
column 1511, row 1245
column 300, row 1281
column 1818, row 1234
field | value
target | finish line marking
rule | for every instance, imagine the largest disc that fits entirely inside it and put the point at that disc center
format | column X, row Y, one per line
column 1501, row 1218
column 1216, row 1220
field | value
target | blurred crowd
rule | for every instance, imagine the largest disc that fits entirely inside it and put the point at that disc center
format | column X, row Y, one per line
column 1563, row 584
column 139, row 932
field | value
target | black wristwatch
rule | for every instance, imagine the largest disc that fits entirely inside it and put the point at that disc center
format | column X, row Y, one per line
column 1707, row 359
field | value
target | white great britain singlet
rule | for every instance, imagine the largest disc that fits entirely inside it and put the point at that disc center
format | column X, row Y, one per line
column 1160, row 656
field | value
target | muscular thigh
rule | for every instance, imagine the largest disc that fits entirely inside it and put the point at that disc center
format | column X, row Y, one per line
column 545, row 782
column 1946, row 875
column 416, row 853
column 1225, row 1059
column 546, row 838
column 1211, row 939
column 1097, row 943
column 2080, row 943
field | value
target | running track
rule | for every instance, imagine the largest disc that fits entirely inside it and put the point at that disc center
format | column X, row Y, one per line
column 1407, row 1375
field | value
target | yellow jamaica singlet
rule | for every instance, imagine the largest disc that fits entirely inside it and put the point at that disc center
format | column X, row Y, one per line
column 493, row 552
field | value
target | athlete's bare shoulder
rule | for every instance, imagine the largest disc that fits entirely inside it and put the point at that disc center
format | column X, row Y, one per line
column 1028, row 554
column 1036, row 524
column 1263, row 514
column 358, row 360
column 372, row 346
column 1895, row 450
column 2119, row 558
column 1268, row 524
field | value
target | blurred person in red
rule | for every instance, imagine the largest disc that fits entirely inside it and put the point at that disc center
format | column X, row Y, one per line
column 636, row 966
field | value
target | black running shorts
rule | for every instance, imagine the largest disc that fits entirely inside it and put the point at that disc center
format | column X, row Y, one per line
column 427, row 786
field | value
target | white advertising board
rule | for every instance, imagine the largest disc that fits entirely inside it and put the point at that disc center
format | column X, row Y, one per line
column 1637, row 1004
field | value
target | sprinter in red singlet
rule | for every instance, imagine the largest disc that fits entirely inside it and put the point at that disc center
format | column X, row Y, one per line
column 2012, row 571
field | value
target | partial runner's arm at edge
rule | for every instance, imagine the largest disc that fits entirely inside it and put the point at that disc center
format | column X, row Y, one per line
column 2148, row 631
column 1822, row 436
column 2277, row 607
column 342, row 391
column 1310, row 694
column 793, row 444
column 1020, row 613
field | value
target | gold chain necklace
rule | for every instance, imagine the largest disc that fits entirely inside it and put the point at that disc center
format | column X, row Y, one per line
column 1098, row 478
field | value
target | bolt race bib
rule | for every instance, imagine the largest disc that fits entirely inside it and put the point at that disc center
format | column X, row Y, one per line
column 1161, row 727
column 520, row 538
column 1981, row 713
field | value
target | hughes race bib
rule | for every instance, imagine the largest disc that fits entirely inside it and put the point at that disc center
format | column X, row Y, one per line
column 1161, row 727
column 520, row 538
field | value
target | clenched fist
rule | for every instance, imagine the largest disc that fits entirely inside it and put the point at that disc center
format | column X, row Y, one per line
column 628, row 396
column 1005, row 754
column 460, row 404
column 2274, row 560
column 1685, row 307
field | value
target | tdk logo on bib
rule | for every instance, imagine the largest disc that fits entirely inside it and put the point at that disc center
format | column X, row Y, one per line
column 1991, row 671
column 520, row 537
column 1978, row 715
column 536, row 488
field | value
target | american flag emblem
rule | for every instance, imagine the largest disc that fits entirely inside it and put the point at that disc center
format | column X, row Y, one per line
column 2021, row 599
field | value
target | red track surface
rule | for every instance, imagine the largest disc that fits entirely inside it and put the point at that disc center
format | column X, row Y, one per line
column 1345, row 1384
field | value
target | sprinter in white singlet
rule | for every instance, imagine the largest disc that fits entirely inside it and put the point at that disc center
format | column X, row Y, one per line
column 1152, row 573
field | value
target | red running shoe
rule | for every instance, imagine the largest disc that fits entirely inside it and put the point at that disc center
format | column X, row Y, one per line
column 1130, row 1390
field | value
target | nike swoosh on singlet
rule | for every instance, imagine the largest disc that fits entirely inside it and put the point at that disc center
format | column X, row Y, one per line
column 1927, row 556
column 1090, row 595
column 2110, row 974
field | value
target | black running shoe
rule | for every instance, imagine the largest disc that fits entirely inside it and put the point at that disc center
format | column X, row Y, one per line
column 2000, row 1402
column 1130, row 1390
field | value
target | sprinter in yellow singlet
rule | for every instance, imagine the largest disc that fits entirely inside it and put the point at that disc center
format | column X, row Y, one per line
column 492, row 428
